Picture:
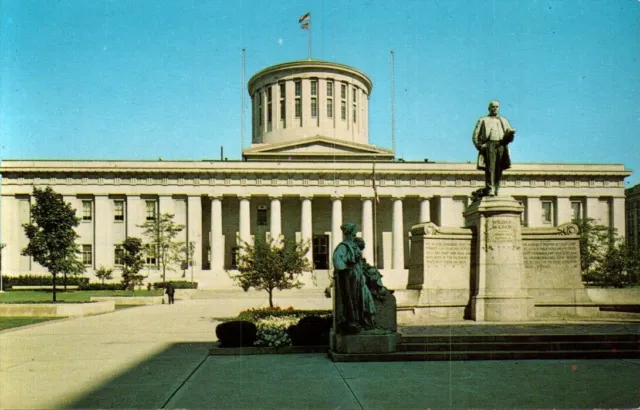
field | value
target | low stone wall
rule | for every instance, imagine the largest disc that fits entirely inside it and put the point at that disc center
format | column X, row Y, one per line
column 56, row 309
column 613, row 296
column 130, row 300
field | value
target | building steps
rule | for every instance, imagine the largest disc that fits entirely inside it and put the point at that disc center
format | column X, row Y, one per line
column 506, row 347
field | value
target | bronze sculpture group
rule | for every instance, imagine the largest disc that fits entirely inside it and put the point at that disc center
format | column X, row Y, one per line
column 357, row 285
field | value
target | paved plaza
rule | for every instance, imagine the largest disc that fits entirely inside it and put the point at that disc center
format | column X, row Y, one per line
column 157, row 357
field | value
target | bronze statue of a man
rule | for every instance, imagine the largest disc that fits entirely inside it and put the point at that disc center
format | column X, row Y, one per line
column 491, row 137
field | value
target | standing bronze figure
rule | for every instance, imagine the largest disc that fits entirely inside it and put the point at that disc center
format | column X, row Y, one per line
column 491, row 138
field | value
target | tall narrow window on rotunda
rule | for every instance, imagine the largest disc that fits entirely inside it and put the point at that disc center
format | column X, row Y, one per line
column 298, row 95
column 329, row 99
column 269, row 110
column 283, row 105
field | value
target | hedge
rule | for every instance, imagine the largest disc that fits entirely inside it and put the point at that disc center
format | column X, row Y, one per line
column 253, row 315
column 177, row 284
column 100, row 286
column 42, row 280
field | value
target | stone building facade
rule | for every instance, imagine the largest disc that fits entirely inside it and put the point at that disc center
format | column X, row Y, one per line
column 310, row 167
column 633, row 216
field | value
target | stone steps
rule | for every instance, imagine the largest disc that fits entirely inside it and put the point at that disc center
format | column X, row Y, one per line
column 506, row 347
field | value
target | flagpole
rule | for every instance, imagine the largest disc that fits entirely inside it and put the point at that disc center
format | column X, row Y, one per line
column 309, row 38
column 393, row 111
column 242, row 102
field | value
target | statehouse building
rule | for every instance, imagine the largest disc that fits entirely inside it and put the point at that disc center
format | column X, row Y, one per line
column 309, row 167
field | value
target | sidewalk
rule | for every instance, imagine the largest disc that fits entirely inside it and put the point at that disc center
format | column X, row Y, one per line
column 157, row 356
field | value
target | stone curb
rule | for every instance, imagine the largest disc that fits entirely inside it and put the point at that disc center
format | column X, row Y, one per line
column 228, row 351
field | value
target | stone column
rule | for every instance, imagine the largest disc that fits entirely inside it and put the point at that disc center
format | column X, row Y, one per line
column 367, row 228
column 245, row 219
column 102, row 224
column 563, row 205
column 425, row 209
column 306, row 226
column 534, row 212
column 165, row 205
column 275, row 223
column 499, row 293
column 398, row 235
column 135, row 216
column 446, row 207
column 217, row 243
column 618, row 214
column 194, row 228
column 10, row 228
column 591, row 210
column 336, row 222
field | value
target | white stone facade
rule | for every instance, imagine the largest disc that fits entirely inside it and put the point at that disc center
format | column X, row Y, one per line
column 299, row 180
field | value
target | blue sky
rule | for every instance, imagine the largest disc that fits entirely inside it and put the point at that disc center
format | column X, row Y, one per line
column 138, row 79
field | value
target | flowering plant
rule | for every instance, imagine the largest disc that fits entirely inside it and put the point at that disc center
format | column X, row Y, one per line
column 272, row 331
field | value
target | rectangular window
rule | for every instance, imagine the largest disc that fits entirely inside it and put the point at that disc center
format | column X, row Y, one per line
column 547, row 212
column 283, row 105
column 87, row 257
column 87, row 211
column 234, row 256
column 117, row 255
column 151, row 210
column 298, row 108
column 329, row 108
column 260, row 109
column 314, row 107
column 298, row 88
column 118, row 210
column 354, row 113
column 354, row 90
column 343, row 91
column 269, row 114
column 314, row 87
column 576, row 210
column 282, row 90
column 150, row 261
column 329, row 88
column 343, row 110
column 262, row 216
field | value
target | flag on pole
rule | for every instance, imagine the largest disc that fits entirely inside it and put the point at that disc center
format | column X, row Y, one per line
column 305, row 25
column 305, row 17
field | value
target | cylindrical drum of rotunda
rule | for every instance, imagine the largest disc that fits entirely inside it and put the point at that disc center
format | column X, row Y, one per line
column 498, row 284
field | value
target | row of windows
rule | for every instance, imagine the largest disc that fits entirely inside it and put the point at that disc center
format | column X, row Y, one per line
column 313, row 102
column 118, row 210
column 87, row 255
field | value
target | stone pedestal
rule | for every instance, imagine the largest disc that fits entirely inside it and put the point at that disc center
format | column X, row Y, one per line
column 363, row 343
column 498, row 283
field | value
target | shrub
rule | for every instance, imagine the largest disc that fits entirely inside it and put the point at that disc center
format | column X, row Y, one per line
column 311, row 331
column 253, row 315
column 238, row 333
column 41, row 280
column 177, row 284
column 101, row 286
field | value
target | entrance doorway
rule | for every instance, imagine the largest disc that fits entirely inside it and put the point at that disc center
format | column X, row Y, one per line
column 321, row 251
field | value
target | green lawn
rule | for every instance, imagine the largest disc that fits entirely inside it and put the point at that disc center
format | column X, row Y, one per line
column 14, row 321
column 39, row 296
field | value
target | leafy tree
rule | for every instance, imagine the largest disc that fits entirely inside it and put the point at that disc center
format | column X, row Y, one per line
column 52, row 238
column 162, row 245
column 104, row 273
column 605, row 258
column 132, row 262
column 272, row 265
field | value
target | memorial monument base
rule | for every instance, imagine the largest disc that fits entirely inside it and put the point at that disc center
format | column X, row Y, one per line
column 363, row 343
column 502, row 309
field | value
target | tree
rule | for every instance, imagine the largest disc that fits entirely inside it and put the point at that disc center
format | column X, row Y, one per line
column 51, row 234
column 272, row 265
column 162, row 245
column 104, row 273
column 132, row 262
column 605, row 258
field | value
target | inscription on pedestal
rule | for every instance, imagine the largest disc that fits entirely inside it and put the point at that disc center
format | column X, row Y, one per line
column 448, row 252
column 501, row 229
column 551, row 254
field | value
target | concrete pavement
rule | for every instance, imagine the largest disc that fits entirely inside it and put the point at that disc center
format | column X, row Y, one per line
column 157, row 356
